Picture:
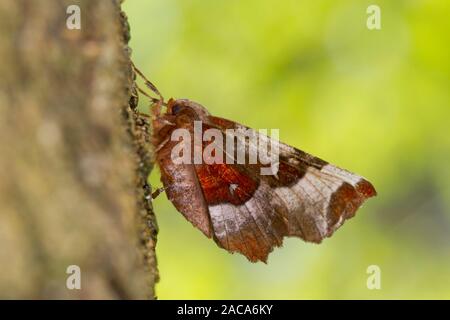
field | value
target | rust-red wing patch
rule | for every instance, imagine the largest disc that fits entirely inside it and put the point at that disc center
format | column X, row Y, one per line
column 222, row 183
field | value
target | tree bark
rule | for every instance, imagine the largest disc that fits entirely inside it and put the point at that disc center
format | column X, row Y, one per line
column 74, row 157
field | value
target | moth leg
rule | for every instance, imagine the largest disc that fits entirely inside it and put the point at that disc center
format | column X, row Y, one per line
column 141, row 114
column 156, row 102
column 159, row 147
column 158, row 191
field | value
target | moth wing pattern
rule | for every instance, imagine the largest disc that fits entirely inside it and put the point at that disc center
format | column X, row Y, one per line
column 183, row 189
column 249, row 213
column 309, row 198
column 249, row 223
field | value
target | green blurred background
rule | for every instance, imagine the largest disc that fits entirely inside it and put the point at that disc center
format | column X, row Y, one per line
column 373, row 101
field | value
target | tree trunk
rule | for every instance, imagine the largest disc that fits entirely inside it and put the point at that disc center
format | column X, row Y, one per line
column 74, row 157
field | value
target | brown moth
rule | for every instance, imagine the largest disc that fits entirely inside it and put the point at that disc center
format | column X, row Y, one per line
column 232, row 203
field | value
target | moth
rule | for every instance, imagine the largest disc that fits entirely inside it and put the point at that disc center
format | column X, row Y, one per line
column 233, row 203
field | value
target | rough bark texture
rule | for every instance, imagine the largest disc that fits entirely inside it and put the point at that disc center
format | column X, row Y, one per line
column 74, row 157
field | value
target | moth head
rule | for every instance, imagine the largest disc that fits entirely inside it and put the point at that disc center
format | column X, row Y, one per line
column 186, row 110
column 179, row 113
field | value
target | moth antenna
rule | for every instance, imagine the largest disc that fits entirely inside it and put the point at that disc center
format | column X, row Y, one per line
column 149, row 85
